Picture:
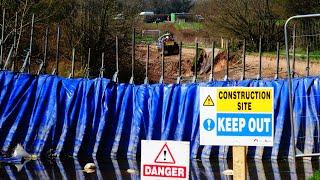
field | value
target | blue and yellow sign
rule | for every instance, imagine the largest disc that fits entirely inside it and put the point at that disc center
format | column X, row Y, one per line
column 239, row 116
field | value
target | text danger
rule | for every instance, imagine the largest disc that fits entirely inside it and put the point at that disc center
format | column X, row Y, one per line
column 164, row 171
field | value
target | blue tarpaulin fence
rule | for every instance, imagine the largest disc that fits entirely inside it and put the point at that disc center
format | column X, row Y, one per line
column 72, row 168
column 99, row 117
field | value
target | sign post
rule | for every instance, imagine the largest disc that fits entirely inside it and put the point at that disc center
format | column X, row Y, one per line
column 239, row 117
column 239, row 162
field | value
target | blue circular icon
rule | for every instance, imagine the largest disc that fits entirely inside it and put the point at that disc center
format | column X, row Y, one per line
column 208, row 124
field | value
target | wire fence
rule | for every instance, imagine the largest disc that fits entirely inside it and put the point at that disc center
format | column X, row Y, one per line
column 303, row 34
column 304, row 43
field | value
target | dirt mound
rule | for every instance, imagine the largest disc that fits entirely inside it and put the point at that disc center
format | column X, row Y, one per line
column 220, row 64
column 172, row 64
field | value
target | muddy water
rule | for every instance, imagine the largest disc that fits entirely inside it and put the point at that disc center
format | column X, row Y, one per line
column 69, row 168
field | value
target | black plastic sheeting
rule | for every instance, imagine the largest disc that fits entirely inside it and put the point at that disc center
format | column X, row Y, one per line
column 101, row 118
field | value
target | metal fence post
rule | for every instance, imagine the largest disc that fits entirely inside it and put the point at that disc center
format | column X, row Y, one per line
column 260, row 58
column 15, row 30
column 102, row 66
column 72, row 64
column 211, row 78
column 7, row 62
column 30, row 45
column 57, row 52
column 290, row 75
column 195, row 76
column 226, row 78
column 146, row 81
column 294, row 50
column 162, row 65
column 244, row 59
column 2, row 36
column 45, row 50
column 15, row 42
column 180, row 64
column 117, row 54
column 278, row 60
column 25, row 62
column 133, row 55
column 115, row 76
column 88, row 64
column 308, row 61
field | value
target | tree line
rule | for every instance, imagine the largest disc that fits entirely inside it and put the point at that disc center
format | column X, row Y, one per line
column 252, row 19
column 84, row 24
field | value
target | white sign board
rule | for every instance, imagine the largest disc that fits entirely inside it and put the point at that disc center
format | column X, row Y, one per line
column 236, row 116
column 165, row 159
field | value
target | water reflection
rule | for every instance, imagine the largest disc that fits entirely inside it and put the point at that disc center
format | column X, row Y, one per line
column 72, row 168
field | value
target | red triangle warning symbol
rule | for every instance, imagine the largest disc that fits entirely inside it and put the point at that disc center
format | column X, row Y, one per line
column 165, row 156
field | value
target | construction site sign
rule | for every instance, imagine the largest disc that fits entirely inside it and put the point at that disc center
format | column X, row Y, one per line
column 236, row 116
column 164, row 159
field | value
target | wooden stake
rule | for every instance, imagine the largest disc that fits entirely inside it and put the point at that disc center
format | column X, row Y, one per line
column 239, row 163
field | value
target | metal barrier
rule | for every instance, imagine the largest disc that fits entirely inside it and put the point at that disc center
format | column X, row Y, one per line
column 293, row 119
column 44, row 61
column 305, row 140
column 94, row 117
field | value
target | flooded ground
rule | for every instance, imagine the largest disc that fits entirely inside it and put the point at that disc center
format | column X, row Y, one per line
column 70, row 168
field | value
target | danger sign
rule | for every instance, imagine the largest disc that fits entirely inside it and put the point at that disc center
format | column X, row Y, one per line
column 164, row 159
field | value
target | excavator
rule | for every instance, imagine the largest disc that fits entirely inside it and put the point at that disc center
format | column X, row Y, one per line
column 169, row 44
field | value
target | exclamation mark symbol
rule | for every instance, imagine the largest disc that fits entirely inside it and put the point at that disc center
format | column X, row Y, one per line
column 164, row 155
column 209, row 125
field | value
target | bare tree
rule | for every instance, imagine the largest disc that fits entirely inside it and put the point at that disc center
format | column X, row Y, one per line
column 242, row 19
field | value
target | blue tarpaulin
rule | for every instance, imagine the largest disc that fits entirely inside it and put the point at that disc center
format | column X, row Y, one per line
column 99, row 117
column 72, row 168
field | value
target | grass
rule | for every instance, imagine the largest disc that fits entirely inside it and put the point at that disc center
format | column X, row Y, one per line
column 153, row 25
column 177, row 25
column 188, row 26
column 193, row 46
column 145, row 39
column 302, row 55
column 316, row 176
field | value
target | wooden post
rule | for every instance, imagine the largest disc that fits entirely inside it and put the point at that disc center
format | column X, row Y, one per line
column 239, row 163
